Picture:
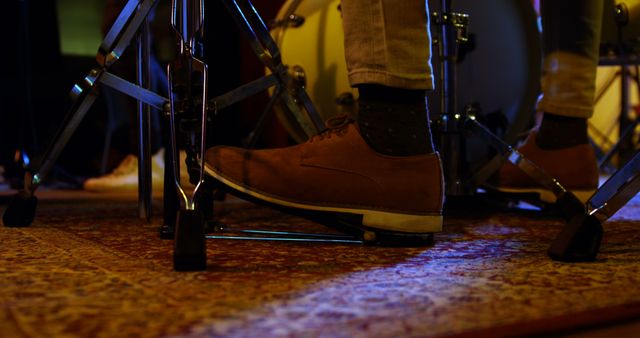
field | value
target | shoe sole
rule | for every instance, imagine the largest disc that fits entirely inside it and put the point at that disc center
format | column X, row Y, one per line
column 546, row 195
column 382, row 220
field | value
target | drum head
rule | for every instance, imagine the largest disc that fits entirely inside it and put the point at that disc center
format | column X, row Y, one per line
column 498, row 72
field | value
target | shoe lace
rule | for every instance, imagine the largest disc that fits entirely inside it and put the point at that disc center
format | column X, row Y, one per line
column 335, row 126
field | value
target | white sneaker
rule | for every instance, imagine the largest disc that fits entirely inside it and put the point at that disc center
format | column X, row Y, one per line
column 125, row 176
column 158, row 162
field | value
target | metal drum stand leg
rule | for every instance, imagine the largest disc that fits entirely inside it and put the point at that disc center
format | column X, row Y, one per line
column 22, row 208
column 580, row 239
column 455, row 123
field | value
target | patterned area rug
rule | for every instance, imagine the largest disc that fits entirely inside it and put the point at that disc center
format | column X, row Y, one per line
column 88, row 267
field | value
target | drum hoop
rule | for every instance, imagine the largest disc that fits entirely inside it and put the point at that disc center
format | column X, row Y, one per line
column 293, row 6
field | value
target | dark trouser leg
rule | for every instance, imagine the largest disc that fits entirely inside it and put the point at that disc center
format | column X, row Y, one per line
column 571, row 42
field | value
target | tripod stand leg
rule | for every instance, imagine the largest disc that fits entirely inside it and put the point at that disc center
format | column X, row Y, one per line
column 580, row 239
column 252, row 138
column 123, row 30
column 625, row 137
column 266, row 49
column 22, row 208
column 567, row 202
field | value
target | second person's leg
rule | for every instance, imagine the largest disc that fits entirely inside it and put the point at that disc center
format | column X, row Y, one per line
column 571, row 36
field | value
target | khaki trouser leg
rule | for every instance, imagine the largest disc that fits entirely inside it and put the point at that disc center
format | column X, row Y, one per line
column 571, row 42
column 387, row 42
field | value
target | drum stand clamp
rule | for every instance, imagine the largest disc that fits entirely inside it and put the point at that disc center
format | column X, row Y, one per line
column 459, row 21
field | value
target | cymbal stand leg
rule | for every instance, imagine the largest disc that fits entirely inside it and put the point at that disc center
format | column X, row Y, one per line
column 567, row 202
column 252, row 138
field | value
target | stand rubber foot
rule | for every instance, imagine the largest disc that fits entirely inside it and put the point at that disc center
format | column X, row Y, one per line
column 569, row 207
column 21, row 210
column 579, row 240
column 189, row 247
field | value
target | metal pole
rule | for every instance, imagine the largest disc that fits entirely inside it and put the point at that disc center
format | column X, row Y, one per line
column 144, row 125
column 451, row 143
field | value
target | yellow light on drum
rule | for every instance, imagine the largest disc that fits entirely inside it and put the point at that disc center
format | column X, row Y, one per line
column 310, row 36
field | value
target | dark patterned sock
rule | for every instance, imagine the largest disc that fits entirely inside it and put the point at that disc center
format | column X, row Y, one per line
column 557, row 132
column 394, row 121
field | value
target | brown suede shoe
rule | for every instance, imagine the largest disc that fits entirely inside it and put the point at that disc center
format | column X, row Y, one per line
column 336, row 171
column 576, row 168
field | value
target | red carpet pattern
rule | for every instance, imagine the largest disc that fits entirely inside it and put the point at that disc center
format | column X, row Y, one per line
column 90, row 268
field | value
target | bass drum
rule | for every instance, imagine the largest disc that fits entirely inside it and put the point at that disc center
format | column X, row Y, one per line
column 310, row 37
column 498, row 72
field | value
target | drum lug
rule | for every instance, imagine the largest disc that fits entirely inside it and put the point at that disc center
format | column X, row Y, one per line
column 292, row 21
column 346, row 99
column 298, row 75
